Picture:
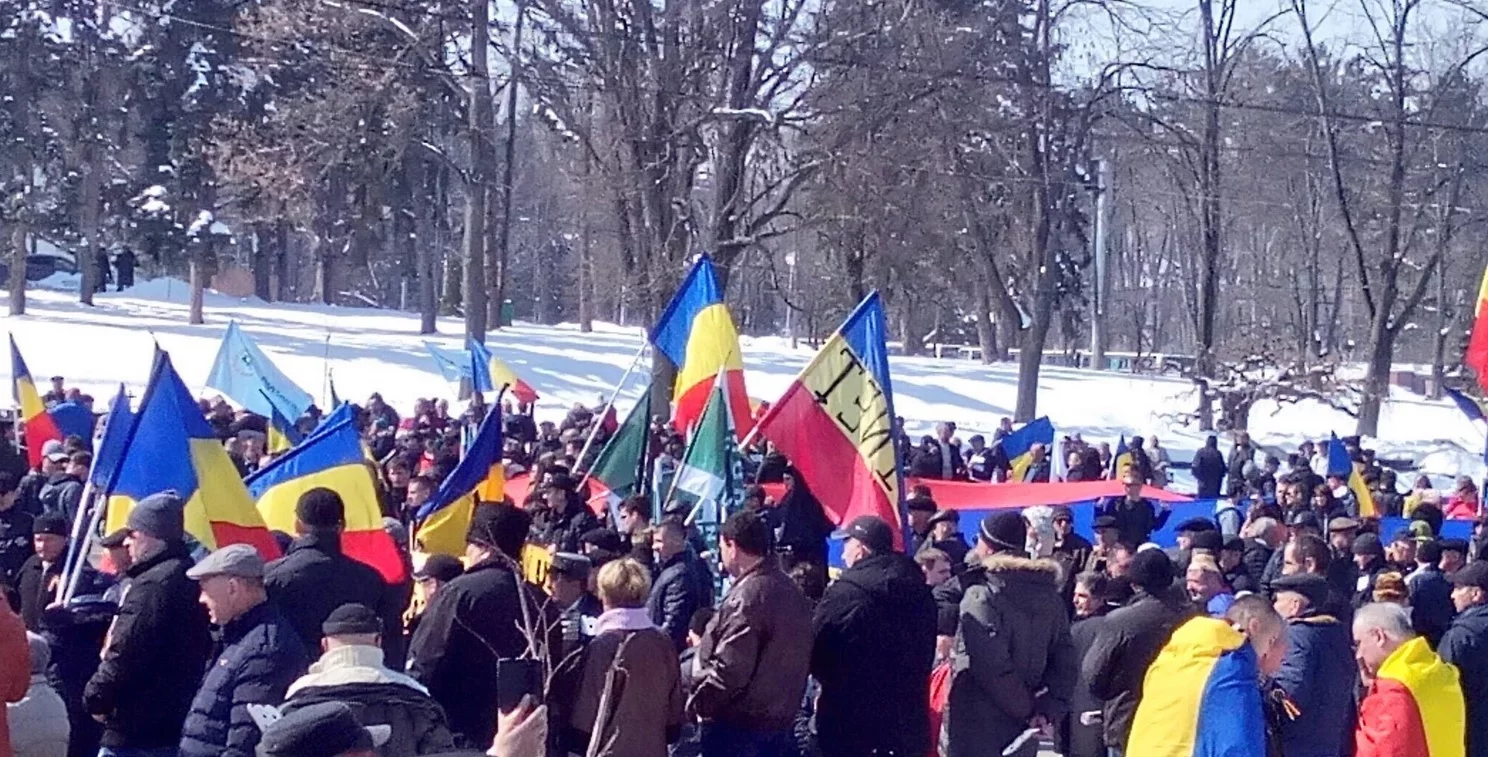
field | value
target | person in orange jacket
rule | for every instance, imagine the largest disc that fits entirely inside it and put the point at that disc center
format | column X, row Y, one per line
column 15, row 668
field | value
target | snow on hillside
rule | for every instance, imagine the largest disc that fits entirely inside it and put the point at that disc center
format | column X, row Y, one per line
column 381, row 350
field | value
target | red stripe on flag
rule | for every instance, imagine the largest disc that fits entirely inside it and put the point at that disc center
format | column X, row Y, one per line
column 1477, row 347
column 827, row 460
column 694, row 400
column 256, row 536
column 39, row 431
column 377, row 549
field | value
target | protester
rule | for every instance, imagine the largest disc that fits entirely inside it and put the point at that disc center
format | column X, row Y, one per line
column 1136, row 516
column 683, row 582
column 15, row 668
column 1414, row 703
column 567, row 583
column 921, row 508
column 159, row 643
column 328, row 729
column 1071, row 550
column 753, row 660
column 623, row 695
column 873, row 649
column 39, row 725
column 477, row 619
column 1206, row 586
column 935, row 564
column 1129, row 641
column 16, row 529
column 1369, row 557
column 315, row 577
column 1207, row 671
column 1319, row 657
column 1431, row 594
column 1014, row 661
column 259, row 654
column 352, row 670
column 1208, row 469
column 40, row 576
column 1465, row 645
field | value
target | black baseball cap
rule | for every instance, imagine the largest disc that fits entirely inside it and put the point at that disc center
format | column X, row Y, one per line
column 872, row 531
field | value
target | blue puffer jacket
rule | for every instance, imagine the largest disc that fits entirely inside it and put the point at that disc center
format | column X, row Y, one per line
column 260, row 655
column 1319, row 664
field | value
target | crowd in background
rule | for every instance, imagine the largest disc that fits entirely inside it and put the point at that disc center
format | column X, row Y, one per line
column 645, row 636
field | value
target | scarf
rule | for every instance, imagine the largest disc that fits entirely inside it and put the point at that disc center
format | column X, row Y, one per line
column 623, row 619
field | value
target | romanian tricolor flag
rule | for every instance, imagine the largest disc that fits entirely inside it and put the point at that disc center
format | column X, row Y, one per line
column 39, row 426
column 171, row 447
column 1477, row 344
column 1341, row 465
column 1201, row 697
column 836, row 422
column 332, row 458
column 480, row 477
column 1018, row 446
column 493, row 375
column 1414, row 707
column 697, row 334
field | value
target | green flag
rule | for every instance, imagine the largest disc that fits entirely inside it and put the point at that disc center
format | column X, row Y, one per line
column 622, row 463
column 710, row 479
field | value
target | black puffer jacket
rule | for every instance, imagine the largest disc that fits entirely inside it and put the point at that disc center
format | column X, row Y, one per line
column 1014, row 657
column 1466, row 646
column 417, row 721
column 1128, row 642
column 157, row 650
column 260, row 656
column 315, row 577
column 474, row 620
column 872, row 654
column 562, row 531
column 683, row 586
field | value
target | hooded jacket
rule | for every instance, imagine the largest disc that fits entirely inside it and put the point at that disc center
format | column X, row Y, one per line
column 357, row 676
column 1128, row 642
column 152, row 666
column 1013, row 658
column 873, row 650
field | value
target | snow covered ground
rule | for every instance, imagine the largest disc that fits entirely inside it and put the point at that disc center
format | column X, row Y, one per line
column 381, row 350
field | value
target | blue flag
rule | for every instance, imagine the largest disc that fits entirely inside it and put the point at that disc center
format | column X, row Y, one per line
column 1474, row 413
column 111, row 447
column 245, row 375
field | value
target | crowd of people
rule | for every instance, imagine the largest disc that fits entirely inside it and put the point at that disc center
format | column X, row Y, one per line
column 1313, row 633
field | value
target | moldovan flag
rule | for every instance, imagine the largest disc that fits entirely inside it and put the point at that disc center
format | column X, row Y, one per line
column 444, row 520
column 1019, row 445
column 171, row 447
column 1200, row 697
column 1414, row 707
column 283, row 435
column 39, row 426
column 697, row 334
column 1477, row 344
column 1341, row 465
column 836, row 422
column 332, row 459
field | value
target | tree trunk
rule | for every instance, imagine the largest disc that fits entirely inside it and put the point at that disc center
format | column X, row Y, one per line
column 425, row 261
column 497, row 273
column 1377, row 376
column 263, row 246
column 281, row 286
column 738, row 134
column 477, row 191
column 18, row 260
column 89, row 199
column 986, row 329
column 198, row 276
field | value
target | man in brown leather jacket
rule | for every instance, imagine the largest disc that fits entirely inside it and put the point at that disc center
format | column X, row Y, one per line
column 752, row 663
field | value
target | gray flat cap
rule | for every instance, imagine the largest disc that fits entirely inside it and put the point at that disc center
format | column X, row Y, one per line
column 239, row 560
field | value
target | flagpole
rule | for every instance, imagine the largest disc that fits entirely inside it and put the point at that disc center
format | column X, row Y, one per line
column 325, row 362
column 594, row 432
column 75, row 554
column 88, row 538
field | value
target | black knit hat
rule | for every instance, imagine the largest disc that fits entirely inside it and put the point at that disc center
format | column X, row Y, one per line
column 501, row 526
column 321, row 508
column 1005, row 530
column 1151, row 570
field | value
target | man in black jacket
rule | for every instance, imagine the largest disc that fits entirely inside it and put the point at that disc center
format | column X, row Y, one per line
column 16, row 527
column 352, row 670
column 1430, row 594
column 873, row 650
column 1014, row 661
column 314, row 577
column 1136, row 516
column 1465, row 645
column 477, row 619
column 683, row 585
column 1208, row 469
column 1129, row 641
column 1369, row 558
column 160, row 640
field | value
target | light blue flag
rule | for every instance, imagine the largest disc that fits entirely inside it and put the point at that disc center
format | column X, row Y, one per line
column 454, row 365
column 245, row 375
